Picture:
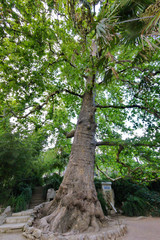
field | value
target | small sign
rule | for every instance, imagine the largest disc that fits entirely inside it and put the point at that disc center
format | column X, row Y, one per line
column 107, row 187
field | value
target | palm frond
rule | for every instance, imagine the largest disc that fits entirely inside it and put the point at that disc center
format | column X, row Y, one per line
column 152, row 24
column 103, row 31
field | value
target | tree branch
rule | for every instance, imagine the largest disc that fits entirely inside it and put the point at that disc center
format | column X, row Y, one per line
column 124, row 144
column 40, row 106
column 70, row 134
column 130, row 171
column 73, row 93
column 154, row 112
column 157, row 72
column 71, row 64
column 118, row 160
column 112, row 179
column 60, row 54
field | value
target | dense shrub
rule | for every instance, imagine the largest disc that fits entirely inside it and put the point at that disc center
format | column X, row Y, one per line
column 17, row 203
column 19, row 200
column 135, row 199
column 103, row 203
column 98, row 184
column 155, row 186
column 123, row 188
column 135, row 206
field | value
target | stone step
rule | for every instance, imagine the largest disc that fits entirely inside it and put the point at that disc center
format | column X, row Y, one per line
column 38, row 194
column 6, row 228
column 36, row 202
column 17, row 219
column 23, row 213
column 37, row 199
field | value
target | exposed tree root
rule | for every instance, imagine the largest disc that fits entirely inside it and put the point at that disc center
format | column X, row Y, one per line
column 75, row 214
column 46, row 230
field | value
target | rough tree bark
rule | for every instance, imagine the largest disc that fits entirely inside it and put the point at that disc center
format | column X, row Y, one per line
column 76, row 207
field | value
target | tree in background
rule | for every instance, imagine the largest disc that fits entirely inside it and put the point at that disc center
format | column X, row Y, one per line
column 95, row 60
column 19, row 160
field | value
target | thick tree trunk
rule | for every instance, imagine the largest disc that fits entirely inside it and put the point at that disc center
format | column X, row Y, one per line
column 76, row 207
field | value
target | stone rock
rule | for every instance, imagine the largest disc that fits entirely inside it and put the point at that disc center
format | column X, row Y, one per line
column 44, row 237
column 50, row 194
column 30, row 230
column 29, row 223
column 26, row 227
column 2, row 219
column 109, row 234
column 25, row 234
column 86, row 237
column 7, row 211
column 37, row 233
column 29, row 236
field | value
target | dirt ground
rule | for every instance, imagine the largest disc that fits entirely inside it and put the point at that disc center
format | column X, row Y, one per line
column 139, row 228
column 11, row 236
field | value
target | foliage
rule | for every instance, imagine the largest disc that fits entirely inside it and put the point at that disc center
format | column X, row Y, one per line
column 18, row 199
column 103, row 203
column 98, row 185
column 55, row 160
column 134, row 206
column 154, row 186
column 19, row 157
column 152, row 198
column 136, row 199
column 20, row 167
column 48, row 51
column 123, row 188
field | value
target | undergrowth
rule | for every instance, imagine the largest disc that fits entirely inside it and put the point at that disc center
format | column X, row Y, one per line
column 135, row 199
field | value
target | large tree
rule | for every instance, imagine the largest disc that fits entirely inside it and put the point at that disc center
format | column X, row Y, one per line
column 97, row 60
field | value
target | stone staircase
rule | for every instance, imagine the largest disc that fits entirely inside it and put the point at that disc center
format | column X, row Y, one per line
column 37, row 197
column 15, row 222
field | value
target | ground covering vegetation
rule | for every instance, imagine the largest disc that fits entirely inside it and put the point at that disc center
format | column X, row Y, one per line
column 82, row 69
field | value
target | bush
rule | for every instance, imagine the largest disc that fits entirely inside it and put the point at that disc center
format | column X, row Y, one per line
column 19, row 200
column 155, row 186
column 19, row 203
column 135, row 199
column 103, row 203
column 123, row 188
column 98, row 184
column 135, row 206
